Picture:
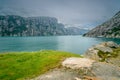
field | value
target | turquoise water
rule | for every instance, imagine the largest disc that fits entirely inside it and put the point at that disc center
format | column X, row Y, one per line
column 75, row 44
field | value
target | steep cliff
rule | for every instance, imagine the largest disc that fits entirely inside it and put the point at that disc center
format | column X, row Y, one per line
column 12, row 25
column 110, row 28
column 44, row 26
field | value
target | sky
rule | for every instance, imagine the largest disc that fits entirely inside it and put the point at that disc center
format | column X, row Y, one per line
column 89, row 13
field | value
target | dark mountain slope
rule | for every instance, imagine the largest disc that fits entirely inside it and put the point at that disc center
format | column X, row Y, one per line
column 110, row 28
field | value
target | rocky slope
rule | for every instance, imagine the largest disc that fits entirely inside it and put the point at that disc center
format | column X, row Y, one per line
column 110, row 28
column 13, row 25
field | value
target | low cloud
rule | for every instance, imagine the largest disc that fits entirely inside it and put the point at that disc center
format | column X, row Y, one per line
column 67, row 11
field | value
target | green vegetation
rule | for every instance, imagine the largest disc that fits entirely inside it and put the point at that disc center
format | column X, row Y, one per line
column 106, row 55
column 116, row 60
column 115, row 30
column 25, row 65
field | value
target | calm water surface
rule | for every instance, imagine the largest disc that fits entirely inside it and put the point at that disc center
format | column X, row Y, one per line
column 75, row 44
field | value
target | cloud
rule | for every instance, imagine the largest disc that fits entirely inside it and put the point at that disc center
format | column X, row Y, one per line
column 67, row 11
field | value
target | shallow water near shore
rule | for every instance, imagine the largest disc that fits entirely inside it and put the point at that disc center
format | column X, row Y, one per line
column 76, row 44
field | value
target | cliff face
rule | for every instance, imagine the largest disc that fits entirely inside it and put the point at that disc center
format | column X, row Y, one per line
column 110, row 28
column 44, row 26
column 12, row 25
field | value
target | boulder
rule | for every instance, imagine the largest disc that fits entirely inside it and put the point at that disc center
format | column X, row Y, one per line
column 110, row 44
column 77, row 63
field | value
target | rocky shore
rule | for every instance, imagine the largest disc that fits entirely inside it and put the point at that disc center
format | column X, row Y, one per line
column 100, row 62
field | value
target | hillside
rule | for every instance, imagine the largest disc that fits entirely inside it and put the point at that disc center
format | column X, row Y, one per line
column 109, row 29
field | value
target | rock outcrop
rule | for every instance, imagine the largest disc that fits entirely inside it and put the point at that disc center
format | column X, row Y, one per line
column 109, row 29
column 102, row 61
column 102, row 51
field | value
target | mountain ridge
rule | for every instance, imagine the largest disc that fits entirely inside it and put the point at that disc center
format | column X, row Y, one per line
column 14, row 25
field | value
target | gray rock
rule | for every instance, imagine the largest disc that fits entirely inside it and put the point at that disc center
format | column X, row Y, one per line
column 111, row 44
column 106, row 71
column 105, row 48
column 59, row 74
column 92, row 53
column 77, row 63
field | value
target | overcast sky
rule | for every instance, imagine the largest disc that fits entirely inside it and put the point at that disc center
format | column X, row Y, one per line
column 83, row 12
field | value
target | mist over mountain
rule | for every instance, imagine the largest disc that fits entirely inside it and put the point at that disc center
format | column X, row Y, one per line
column 85, row 12
column 76, row 29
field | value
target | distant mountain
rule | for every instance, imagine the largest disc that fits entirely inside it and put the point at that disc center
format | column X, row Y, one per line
column 109, row 29
column 13, row 25
column 76, row 31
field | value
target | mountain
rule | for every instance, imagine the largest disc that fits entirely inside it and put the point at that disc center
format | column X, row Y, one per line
column 76, row 31
column 44, row 26
column 109, row 29
column 13, row 25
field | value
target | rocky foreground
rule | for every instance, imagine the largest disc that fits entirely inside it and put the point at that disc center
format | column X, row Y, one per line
column 100, row 62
